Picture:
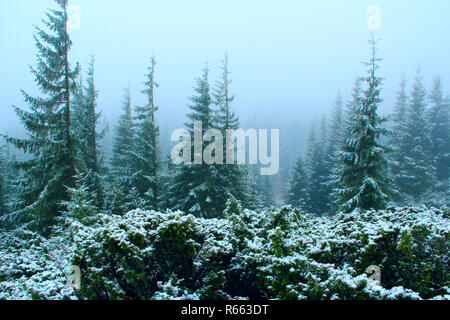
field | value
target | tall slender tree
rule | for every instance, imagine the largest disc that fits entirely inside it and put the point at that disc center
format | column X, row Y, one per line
column 193, row 188
column 298, row 185
column 399, row 127
column 335, row 136
column 2, row 184
column 439, row 119
column 85, row 118
column 229, row 177
column 317, row 171
column 416, row 171
column 362, row 168
column 50, row 142
column 122, row 166
column 145, row 177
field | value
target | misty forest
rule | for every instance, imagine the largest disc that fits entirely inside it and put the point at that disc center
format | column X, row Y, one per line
column 96, row 210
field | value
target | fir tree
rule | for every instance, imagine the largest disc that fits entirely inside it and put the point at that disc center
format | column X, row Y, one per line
column 166, row 176
column 81, row 205
column 252, row 196
column 193, row 188
column 264, row 187
column 335, row 137
column 362, row 166
column 229, row 177
column 439, row 119
column 50, row 143
column 145, row 177
column 85, row 119
column 399, row 115
column 317, row 172
column 415, row 168
column 298, row 185
column 2, row 184
column 122, row 165
column 399, row 127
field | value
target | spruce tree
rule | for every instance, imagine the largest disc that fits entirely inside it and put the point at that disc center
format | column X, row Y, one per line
column 399, row 127
column 145, row 177
column 399, row 115
column 81, row 205
column 317, row 171
column 363, row 179
column 416, row 171
column 122, row 165
column 2, row 184
column 335, row 137
column 193, row 188
column 85, row 119
column 229, row 177
column 439, row 119
column 252, row 195
column 50, row 167
column 298, row 185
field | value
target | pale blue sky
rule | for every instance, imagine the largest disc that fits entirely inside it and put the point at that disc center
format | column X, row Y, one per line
column 287, row 57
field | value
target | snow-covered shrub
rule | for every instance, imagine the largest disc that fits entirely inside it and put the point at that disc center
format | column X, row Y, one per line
column 33, row 267
column 280, row 253
column 326, row 258
column 137, row 255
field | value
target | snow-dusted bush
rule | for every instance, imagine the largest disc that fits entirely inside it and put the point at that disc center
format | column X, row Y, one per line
column 268, row 254
column 275, row 253
column 326, row 258
column 143, row 253
column 33, row 267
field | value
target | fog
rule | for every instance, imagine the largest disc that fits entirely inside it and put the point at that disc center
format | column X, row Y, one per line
column 288, row 58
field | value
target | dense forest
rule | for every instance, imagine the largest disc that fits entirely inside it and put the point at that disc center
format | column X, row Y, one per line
column 367, row 190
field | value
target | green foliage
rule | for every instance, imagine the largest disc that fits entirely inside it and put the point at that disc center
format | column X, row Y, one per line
column 439, row 119
column 85, row 121
column 414, row 167
column 228, row 178
column 2, row 184
column 273, row 254
column 146, row 164
column 193, row 189
column 49, row 140
column 362, row 171
column 122, row 162
column 298, row 186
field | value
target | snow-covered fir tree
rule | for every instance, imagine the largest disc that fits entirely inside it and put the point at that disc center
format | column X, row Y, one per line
column 398, row 119
column 264, row 187
column 85, row 119
column 50, row 142
column 298, row 185
column 439, row 120
column 229, row 178
column 363, row 179
column 399, row 115
column 193, row 188
column 334, row 137
column 317, row 171
column 3, row 199
column 415, row 169
column 145, row 175
column 122, row 166
column 166, row 175
column 252, row 194
column 81, row 206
